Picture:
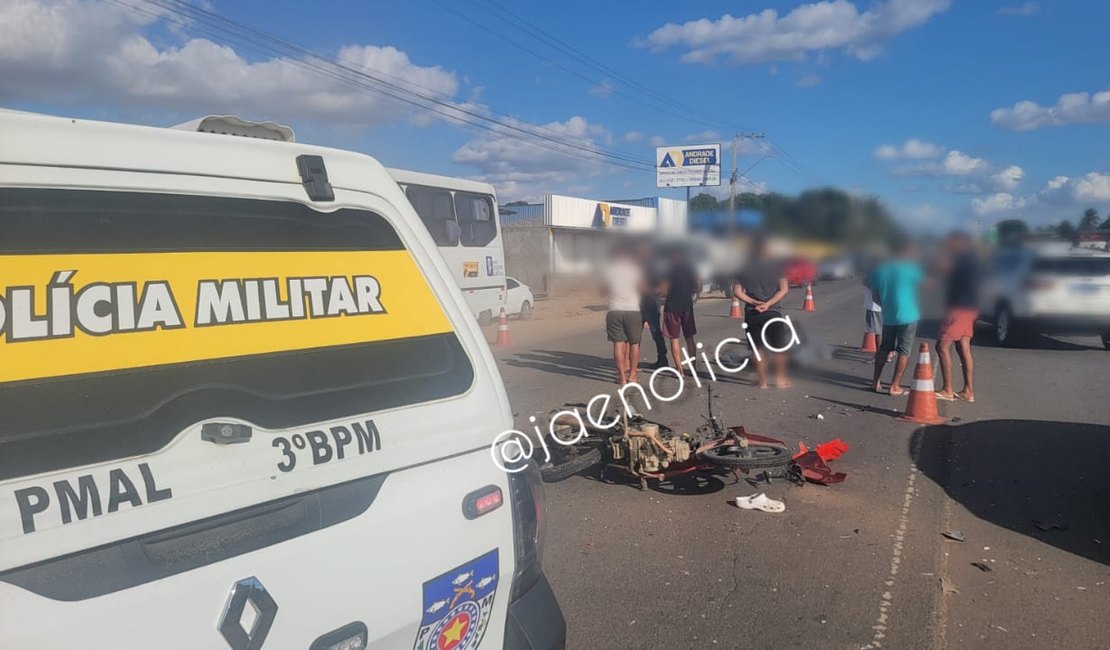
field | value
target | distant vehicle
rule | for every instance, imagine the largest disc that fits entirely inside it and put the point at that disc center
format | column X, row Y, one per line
column 836, row 268
column 518, row 299
column 462, row 217
column 1047, row 289
column 800, row 271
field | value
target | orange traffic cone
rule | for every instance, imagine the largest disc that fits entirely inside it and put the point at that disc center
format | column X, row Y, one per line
column 869, row 344
column 922, row 404
column 734, row 313
column 809, row 306
column 503, row 329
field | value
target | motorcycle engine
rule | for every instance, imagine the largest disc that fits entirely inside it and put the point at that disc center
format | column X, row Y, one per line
column 647, row 457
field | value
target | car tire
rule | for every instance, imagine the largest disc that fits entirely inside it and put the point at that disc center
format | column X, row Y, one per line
column 1106, row 340
column 1005, row 327
column 525, row 311
column 485, row 318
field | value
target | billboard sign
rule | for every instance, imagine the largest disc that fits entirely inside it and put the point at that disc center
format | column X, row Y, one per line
column 695, row 165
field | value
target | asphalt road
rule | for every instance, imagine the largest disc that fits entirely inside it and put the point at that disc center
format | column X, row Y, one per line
column 861, row 564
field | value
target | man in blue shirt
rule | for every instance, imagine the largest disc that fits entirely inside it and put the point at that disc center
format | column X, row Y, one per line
column 894, row 286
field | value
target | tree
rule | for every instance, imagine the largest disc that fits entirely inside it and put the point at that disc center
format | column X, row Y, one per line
column 1089, row 220
column 1010, row 230
column 1105, row 224
column 1065, row 230
column 704, row 202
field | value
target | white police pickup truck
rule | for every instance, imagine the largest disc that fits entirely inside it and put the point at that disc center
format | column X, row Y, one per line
column 244, row 406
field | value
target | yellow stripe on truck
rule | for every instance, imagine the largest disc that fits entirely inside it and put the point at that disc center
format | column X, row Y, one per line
column 75, row 314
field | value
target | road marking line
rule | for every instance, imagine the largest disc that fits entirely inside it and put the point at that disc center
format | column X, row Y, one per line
column 883, row 621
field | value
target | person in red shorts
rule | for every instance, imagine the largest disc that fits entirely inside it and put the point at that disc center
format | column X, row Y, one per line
column 962, row 300
column 680, row 287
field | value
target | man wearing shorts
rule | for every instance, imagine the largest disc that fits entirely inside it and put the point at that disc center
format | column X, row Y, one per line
column 894, row 286
column 649, row 305
column 623, row 323
column 761, row 286
column 680, row 286
column 873, row 314
column 962, row 300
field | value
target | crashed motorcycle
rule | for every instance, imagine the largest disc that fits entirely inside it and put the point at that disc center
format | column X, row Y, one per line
column 646, row 450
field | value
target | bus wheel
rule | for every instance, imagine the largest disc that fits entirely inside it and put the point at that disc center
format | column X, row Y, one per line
column 485, row 318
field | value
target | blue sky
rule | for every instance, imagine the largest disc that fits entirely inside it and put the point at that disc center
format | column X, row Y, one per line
column 946, row 109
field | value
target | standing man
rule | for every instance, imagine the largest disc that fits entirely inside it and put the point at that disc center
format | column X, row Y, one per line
column 872, row 314
column 680, row 286
column 761, row 286
column 894, row 287
column 623, row 325
column 649, row 304
column 961, row 311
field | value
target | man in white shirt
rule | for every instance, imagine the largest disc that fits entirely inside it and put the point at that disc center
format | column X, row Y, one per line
column 624, row 325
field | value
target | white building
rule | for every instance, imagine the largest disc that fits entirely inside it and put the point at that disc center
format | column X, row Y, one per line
column 559, row 241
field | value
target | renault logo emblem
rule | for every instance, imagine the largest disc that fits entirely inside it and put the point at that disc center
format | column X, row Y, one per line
column 247, row 591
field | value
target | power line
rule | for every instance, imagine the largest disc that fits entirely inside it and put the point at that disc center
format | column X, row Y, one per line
column 191, row 17
column 590, row 80
column 563, row 47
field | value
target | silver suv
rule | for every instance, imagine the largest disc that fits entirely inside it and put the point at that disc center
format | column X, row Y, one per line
column 1047, row 289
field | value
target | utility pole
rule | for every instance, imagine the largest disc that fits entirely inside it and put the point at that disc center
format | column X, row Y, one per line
column 746, row 135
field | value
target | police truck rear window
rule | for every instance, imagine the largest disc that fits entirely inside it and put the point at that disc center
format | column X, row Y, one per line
column 126, row 317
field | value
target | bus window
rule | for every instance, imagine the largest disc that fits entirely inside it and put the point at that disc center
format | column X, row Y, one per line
column 434, row 207
column 475, row 212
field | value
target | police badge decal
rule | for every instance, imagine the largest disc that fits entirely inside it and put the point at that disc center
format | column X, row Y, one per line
column 457, row 606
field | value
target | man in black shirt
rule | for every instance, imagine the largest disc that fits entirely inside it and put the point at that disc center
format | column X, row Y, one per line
column 962, row 309
column 761, row 286
column 649, row 305
column 680, row 286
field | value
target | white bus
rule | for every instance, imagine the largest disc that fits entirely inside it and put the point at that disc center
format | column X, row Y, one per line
column 462, row 217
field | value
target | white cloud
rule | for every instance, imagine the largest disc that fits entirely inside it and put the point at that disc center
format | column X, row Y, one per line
column 1089, row 188
column 912, row 149
column 808, row 81
column 603, row 89
column 523, row 170
column 1026, row 9
column 996, row 203
column 810, row 28
column 958, row 163
column 657, row 141
column 1009, row 178
column 633, row 136
column 1057, row 194
column 87, row 53
column 709, row 135
column 1072, row 108
column 976, row 175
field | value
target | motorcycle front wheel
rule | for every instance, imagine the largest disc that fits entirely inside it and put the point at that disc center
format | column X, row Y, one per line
column 753, row 456
column 568, row 462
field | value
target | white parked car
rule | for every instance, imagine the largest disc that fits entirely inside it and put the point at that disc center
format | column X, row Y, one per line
column 835, row 268
column 518, row 299
column 1047, row 289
